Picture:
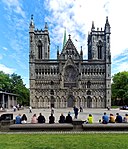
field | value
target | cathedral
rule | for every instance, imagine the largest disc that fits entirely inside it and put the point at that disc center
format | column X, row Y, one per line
column 70, row 80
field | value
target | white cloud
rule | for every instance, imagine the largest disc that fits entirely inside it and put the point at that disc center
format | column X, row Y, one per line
column 15, row 5
column 5, row 48
column 77, row 15
column 6, row 69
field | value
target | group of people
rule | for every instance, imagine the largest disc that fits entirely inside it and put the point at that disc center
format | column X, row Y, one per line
column 68, row 119
column 41, row 119
column 114, row 119
column 109, row 119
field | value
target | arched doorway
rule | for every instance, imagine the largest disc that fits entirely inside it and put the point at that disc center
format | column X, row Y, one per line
column 89, row 102
column 52, row 102
column 71, row 100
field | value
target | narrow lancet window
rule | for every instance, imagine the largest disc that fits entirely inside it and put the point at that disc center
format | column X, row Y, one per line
column 39, row 50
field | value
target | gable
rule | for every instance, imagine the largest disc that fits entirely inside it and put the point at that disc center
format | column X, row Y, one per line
column 69, row 50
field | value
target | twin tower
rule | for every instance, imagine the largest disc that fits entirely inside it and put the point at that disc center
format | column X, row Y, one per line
column 70, row 80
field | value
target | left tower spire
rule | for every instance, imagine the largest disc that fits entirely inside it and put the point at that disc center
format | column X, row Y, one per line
column 32, row 26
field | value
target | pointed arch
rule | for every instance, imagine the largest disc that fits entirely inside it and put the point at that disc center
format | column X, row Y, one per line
column 99, row 47
column 39, row 49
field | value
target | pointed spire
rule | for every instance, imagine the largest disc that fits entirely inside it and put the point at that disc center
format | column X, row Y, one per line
column 107, row 25
column 93, row 27
column 57, row 50
column 46, row 26
column 32, row 21
column 107, row 22
column 64, row 40
column 81, row 51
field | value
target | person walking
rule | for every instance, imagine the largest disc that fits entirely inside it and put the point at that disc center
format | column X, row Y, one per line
column 30, row 109
column 76, row 112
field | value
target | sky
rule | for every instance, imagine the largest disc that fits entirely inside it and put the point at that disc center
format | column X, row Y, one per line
column 74, row 15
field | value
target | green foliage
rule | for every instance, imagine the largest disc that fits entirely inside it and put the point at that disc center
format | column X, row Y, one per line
column 120, row 87
column 14, row 84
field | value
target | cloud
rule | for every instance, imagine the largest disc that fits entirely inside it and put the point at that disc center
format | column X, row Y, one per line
column 18, row 29
column 14, row 5
column 77, row 16
column 5, row 48
column 6, row 69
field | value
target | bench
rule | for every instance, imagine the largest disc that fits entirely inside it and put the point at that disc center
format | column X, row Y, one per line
column 105, row 127
column 41, row 127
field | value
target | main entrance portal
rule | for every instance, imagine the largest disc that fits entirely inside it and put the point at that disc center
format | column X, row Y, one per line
column 71, row 100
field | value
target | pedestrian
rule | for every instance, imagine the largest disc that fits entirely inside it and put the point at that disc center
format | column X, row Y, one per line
column 76, row 112
column 14, row 108
column 81, row 109
column 52, row 110
column 30, row 109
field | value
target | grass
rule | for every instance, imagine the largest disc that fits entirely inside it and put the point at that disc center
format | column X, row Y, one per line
column 64, row 141
column 114, row 107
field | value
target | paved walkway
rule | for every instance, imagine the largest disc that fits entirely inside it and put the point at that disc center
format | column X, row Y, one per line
column 97, row 113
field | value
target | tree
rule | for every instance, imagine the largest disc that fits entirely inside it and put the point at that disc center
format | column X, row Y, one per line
column 120, row 87
column 14, row 84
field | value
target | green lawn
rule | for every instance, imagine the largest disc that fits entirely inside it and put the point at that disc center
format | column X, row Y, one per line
column 64, row 141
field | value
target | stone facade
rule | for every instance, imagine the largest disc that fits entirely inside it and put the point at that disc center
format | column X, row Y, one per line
column 70, row 80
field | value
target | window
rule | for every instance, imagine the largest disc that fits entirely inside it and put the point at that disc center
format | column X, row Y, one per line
column 88, row 84
column 39, row 49
column 88, row 92
column 99, row 47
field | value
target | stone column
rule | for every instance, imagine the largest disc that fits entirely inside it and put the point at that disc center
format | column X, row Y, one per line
column 9, row 100
column 3, row 103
